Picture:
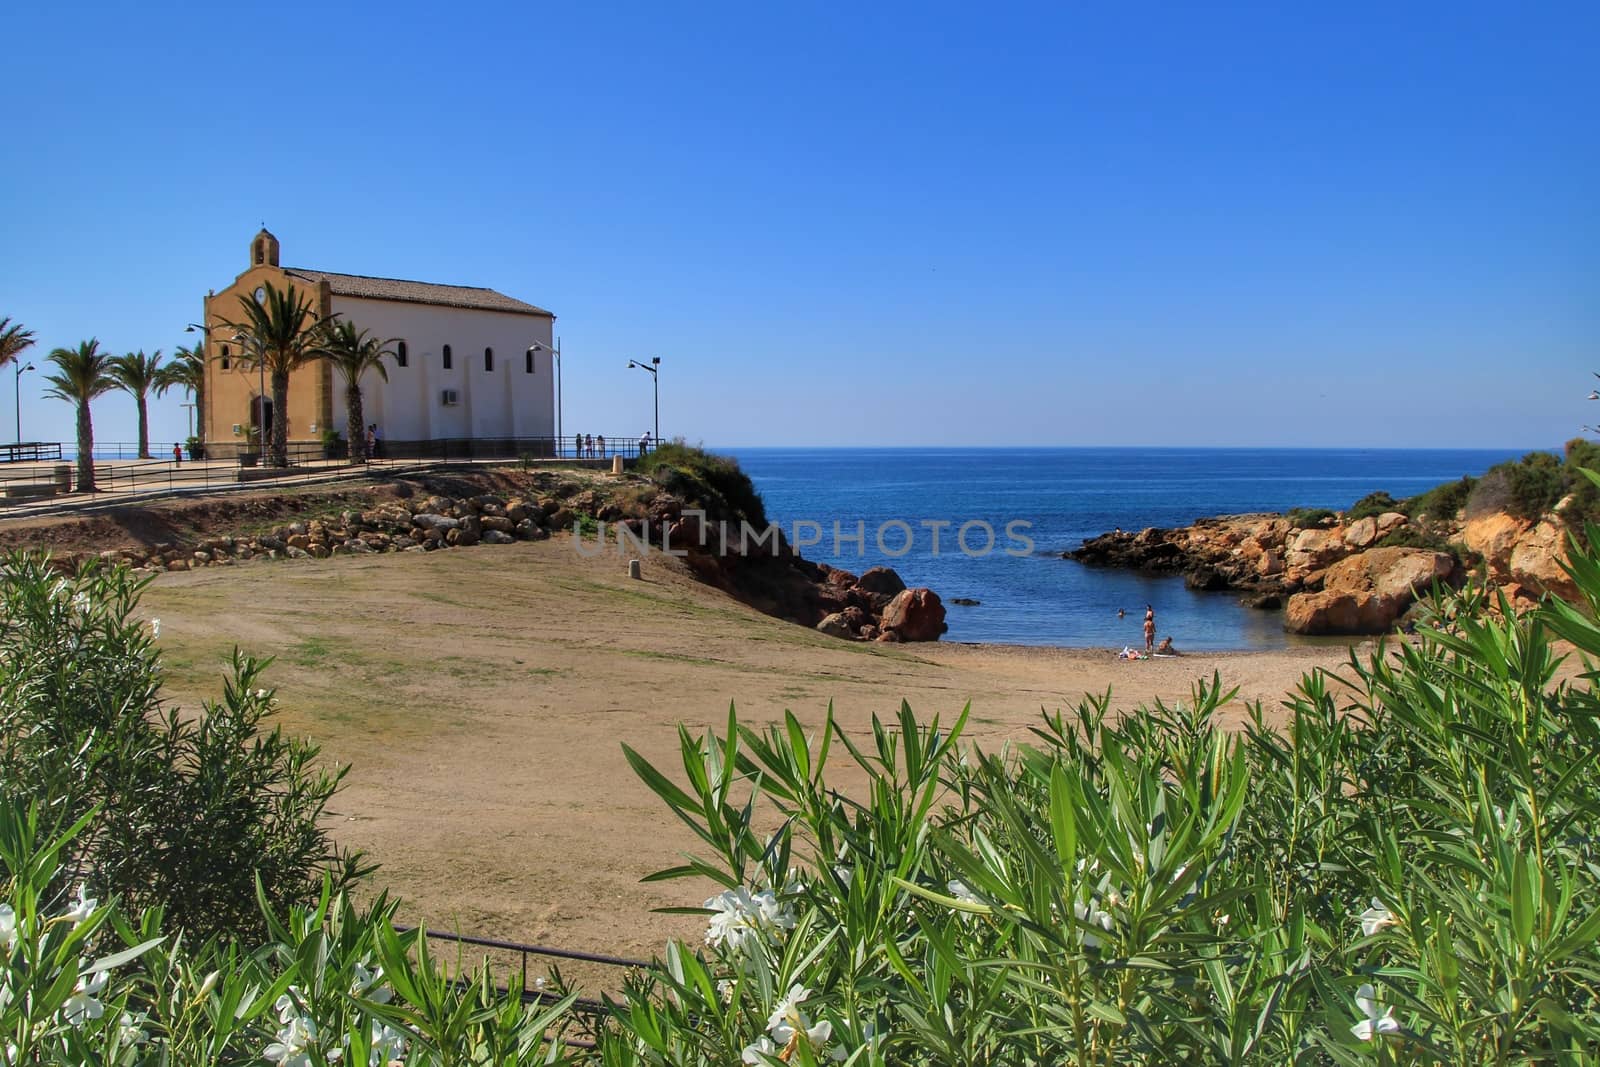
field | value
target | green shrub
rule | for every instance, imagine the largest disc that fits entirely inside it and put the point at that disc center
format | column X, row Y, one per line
column 187, row 812
column 1442, row 502
column 1399, row 867
column 1394, row 875
column 1527, row 487
column 705, row 480
column 1371, row 506
column 1305, row 518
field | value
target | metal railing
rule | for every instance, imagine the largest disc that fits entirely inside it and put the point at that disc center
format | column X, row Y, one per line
column 593, row 1008
column 25, row 451
column 39, row 486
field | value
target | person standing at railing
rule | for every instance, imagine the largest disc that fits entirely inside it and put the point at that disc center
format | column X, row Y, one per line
column 177, row 454
column 600, row 443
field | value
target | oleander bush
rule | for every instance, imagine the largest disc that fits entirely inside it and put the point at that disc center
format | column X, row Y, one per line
column 188, row 812
column 1396, row 866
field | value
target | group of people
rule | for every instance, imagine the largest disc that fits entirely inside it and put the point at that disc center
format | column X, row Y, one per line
column 1150, row 647
column 591, row 446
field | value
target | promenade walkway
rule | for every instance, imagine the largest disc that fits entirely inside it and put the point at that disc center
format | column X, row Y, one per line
column 119, row 483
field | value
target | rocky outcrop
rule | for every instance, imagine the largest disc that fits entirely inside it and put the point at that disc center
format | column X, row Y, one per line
column 403, row 517
column 1367, row 593
column 1536, row 559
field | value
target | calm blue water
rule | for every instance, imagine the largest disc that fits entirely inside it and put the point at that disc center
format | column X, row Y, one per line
column 1068, row 495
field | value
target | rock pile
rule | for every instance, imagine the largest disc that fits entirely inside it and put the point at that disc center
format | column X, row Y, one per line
column 432, row 523
column 1340, row 577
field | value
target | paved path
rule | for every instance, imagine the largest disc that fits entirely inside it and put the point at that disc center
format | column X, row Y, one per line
column 119, row 482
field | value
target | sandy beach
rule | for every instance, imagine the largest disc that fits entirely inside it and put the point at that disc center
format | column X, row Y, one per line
column 481, row 697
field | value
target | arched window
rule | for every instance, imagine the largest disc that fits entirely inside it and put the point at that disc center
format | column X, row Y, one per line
column 488, row 359
column 446, row 357
column 224, row 357
column 400, row 354
column 528, row 366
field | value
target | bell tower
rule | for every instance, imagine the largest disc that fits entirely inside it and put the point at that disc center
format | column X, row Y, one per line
column 264, row 250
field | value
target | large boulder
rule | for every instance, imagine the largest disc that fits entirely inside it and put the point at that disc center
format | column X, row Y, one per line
column 1337, row 613
column 913, row 615
column 881, row 580
column 1361, row 533
column 1311, row 549
column 1368, row 592
column 1494, row 536
column 835, row 625
column 1536, row 560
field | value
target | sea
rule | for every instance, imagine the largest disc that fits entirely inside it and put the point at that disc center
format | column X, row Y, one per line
column 1051, row 500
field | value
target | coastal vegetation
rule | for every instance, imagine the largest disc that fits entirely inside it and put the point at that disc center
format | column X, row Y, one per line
column 1399, row 873
column 137, row 375
column 82, row 374
column 354, row 352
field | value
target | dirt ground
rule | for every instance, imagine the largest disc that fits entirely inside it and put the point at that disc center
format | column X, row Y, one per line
column 481, row 696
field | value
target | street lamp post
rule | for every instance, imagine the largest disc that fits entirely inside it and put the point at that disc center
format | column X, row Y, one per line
column 556, row 352
column 18, row 384
column 654, row 367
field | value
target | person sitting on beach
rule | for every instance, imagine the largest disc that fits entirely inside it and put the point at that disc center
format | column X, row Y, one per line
column 1166, row 649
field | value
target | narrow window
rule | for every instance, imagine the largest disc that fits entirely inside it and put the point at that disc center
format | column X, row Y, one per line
column 224, row 357
column 488, row 359
column 400, row 354
column 446, row 357
column 528, row 366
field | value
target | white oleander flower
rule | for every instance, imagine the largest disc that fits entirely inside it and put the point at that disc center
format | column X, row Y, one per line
column 82, row 906
column 1094, row 917
column 959, row 890
column 1377, row 918
column 130, row 1029
column 388, row 1045
column 1374, row 1025
column 155, row 628
column 8, row 927
column 753, row 1053
column 366, row 983
column 83, row 1004
column 261, row 694
column 725, row 989
column 743, row 917
column 294, row 1040
column 787, row 1022
column 80, row 603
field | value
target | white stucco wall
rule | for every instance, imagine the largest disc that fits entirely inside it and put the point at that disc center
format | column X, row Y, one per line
column 504, row 402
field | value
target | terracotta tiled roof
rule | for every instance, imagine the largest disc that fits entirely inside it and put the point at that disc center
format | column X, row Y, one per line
column 457, row 296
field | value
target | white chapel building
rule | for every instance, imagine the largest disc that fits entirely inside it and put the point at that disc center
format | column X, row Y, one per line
column 463, row 370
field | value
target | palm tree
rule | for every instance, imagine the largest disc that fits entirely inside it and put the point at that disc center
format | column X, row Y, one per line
column 187, row 371
column 281, row 333
column 353, row 352
column 137, row 374
column 85, row 374
column 13, row 339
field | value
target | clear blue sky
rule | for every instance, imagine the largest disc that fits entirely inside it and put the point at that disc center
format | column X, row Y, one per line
column 1370, row 224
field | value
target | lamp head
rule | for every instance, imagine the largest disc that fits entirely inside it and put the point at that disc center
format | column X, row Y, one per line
column 656, row 361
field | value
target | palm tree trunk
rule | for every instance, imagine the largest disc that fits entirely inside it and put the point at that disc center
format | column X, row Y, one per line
column 144, row 427
column 85, row 449
column 200, row 414
column 354, row 426
column 280, row 423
